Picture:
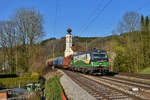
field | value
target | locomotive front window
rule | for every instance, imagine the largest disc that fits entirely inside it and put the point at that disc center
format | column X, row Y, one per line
column 99, row 55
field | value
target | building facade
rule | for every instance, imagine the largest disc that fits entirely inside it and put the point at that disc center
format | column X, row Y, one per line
column 68, row 50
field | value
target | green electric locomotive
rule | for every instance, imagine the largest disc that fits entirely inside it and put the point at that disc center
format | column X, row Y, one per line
column 92, row 61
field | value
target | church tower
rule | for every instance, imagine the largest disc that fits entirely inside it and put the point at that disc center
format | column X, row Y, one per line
column 68, row 50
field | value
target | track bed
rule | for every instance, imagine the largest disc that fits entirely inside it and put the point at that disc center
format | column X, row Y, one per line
column 106, row 88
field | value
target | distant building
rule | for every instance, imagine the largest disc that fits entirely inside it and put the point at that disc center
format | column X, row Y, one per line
column 5, row 66
column 13, row 94
column 3, row 94
column 68, row 50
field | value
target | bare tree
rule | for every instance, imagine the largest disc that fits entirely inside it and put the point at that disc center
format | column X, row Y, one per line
column 29, row 26
column 130, row 24
column 7, row 40
column 3, row 42
column 19, row 38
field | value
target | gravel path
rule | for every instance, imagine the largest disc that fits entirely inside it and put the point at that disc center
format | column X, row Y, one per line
column 73, row 90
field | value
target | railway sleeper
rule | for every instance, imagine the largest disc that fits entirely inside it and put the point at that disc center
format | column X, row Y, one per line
column 113, row 95
column 123, row 97
column 99, row 97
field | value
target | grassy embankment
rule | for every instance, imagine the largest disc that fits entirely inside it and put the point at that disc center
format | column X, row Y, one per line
column 53, row 88
column 145, row 71
column 22, row 80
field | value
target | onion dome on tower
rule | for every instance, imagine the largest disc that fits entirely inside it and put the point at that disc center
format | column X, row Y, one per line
column 69, row 31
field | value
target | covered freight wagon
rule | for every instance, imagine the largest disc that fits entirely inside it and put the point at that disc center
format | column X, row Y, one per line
column 60, row 62
column 49, row 63
column 66, row 62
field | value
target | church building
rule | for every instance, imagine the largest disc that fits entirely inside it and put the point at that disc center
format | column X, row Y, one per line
column 68, row 50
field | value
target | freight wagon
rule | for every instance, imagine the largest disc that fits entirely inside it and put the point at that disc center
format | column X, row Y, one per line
column 92, row 61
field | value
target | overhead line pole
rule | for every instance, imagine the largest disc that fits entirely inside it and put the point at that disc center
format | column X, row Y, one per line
column 55, row 25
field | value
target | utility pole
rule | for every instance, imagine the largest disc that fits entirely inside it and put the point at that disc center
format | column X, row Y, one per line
column 55, row 24
column 53, row 50
column 86, row 46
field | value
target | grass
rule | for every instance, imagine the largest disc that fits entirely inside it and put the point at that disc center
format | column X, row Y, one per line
column 16, row 81
column 145, row 71
column 53, row 88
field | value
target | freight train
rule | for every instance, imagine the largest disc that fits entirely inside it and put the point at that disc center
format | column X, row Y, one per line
column 92, row 61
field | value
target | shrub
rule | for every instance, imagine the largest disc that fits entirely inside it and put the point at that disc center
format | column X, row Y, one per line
column 22, row 81
column 53, row 89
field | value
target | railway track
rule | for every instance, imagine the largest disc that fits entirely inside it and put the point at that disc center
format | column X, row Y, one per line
column 142, row 76
column 105, row 88
column 143, row 91
column 140, row 85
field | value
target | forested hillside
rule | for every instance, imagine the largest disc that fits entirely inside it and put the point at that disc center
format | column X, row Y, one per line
column 22, row 51
column 128, row 52
column 133, row 51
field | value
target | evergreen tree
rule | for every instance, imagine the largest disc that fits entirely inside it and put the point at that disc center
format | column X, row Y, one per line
column 142, row 23
column 147, row 23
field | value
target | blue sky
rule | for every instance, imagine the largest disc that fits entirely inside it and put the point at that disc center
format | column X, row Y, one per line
column 77, row 13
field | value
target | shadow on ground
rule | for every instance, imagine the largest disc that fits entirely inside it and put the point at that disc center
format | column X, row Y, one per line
column 111, row 74
column 8, row 75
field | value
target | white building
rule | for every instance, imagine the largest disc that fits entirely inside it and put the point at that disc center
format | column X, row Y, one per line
column 68, row 50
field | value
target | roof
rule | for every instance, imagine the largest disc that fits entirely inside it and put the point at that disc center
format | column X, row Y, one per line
column 69, row 34
column 5, row 90
column 20, row 90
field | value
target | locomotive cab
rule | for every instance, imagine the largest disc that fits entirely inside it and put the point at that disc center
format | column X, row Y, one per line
column 101, row 59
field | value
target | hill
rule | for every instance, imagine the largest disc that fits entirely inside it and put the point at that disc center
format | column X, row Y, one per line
column 124, row 50
column 82, row 42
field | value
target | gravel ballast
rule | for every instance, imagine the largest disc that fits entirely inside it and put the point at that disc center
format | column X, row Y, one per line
column 72, row 90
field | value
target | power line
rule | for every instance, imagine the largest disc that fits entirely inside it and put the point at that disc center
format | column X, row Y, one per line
column 98, row 14
column 145, row 5
column 93, row 12
column 96, row 9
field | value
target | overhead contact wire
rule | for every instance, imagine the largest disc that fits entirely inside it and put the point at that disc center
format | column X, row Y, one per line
column 100, row 12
